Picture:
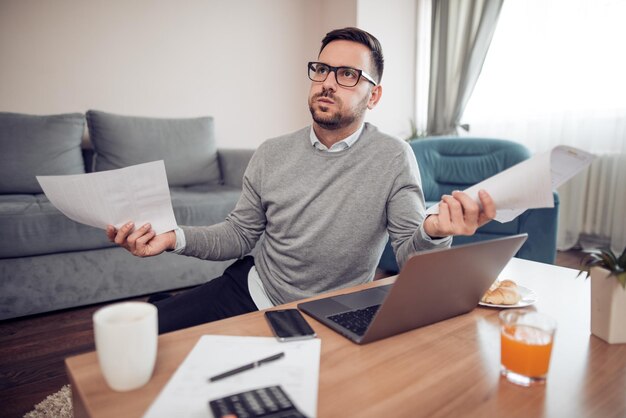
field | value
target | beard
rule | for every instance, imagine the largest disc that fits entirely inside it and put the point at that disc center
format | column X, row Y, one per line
column 335, row 120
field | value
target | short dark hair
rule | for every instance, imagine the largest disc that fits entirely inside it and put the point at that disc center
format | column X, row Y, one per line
column 362, row 37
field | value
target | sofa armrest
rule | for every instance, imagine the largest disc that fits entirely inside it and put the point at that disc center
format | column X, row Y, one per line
column 541, row 226
column 233, row 163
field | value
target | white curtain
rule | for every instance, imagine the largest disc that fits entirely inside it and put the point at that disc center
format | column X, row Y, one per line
column 461, row 31
column 556, row 74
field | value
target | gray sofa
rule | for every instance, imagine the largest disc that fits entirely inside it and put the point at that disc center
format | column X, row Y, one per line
column 49, row 262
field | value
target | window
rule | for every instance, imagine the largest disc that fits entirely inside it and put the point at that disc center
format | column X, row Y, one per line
column 556, row 74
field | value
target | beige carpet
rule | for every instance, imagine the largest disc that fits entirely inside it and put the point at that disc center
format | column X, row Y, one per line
column 57, row 405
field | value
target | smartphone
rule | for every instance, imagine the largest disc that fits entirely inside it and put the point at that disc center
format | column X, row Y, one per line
column 289, row 325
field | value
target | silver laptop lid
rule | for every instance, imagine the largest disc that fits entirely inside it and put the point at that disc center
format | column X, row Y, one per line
column 440, row 284
column 433, row 286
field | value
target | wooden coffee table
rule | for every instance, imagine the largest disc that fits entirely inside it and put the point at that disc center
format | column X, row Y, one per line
column 446, row 369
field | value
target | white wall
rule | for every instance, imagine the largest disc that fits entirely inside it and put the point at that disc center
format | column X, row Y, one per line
column 240, row 61
column 393, row 22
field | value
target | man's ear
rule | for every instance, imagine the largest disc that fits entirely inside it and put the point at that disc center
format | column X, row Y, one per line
column 375, row 95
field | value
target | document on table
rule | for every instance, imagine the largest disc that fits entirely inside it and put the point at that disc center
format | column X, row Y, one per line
column 188, row 392
column 529, row 184
column 138, row 193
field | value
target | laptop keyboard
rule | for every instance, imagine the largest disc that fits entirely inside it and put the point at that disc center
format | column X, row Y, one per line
column 356, row 321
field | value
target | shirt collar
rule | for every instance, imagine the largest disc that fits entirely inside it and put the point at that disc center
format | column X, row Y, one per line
column 338, row 146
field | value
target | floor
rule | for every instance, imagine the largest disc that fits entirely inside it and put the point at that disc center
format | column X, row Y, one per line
column 32, row 350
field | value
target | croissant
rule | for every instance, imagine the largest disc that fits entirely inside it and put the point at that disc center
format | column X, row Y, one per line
column 502, row 293
column 507, row 283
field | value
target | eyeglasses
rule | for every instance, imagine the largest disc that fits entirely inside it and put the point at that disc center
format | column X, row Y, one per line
column 345, row 76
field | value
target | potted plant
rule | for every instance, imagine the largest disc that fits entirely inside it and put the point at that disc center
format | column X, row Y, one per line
column 608, row 294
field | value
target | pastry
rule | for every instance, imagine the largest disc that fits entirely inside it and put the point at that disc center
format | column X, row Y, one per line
column 506, row 283
column 502, row 293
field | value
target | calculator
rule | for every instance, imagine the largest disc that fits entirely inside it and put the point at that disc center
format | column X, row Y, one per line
column 269, row 402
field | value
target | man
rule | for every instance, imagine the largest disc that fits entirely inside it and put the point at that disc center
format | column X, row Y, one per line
column 325, row 197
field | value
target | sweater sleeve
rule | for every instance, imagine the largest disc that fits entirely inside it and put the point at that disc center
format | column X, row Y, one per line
column 238, row 234
column 406, row 211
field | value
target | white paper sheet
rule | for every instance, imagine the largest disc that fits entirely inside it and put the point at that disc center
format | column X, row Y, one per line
column 138, row 193
column 188, row 392
column 529, row 184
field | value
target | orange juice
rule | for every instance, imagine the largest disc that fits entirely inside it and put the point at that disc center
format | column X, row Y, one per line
column 526, row 350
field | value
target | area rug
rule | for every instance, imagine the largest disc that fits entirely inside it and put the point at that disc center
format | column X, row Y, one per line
column 57, row 405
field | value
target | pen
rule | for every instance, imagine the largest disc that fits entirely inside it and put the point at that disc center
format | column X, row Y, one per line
column 247, row 367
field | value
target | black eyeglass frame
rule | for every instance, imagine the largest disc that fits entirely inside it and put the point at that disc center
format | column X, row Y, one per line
column 361, row 73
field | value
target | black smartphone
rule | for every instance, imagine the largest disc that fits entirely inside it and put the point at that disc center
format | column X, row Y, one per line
column 289, row 325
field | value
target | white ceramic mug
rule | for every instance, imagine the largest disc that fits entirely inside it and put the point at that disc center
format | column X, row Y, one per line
column 126, row 342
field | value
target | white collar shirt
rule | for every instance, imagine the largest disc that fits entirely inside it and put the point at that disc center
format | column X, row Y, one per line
column 338, row 146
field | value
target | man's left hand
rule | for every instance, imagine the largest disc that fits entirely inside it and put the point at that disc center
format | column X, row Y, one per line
column 459, row 214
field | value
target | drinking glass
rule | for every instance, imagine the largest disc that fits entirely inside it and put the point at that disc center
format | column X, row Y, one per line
column 526, row 339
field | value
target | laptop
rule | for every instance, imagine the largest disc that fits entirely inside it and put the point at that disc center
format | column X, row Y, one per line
column 433, row 286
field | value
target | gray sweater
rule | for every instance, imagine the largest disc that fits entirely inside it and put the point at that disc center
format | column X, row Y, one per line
column 325, row 215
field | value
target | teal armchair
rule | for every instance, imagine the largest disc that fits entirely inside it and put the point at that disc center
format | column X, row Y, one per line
column 456, row 163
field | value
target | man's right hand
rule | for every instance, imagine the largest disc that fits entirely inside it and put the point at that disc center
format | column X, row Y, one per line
column 142, row 242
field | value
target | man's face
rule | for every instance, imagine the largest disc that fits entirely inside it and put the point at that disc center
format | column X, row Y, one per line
column 333, row 106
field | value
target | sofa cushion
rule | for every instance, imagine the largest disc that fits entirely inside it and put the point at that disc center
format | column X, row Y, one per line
column 203, row 204
column 38, row 145
column 30, row 225
column 187, row 146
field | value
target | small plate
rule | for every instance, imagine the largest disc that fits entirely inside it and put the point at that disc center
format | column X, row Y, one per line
column 528, row 298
